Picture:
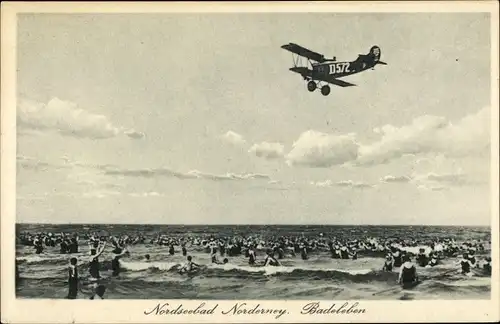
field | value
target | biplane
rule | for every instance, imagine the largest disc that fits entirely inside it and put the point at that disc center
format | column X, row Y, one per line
column 328, row 70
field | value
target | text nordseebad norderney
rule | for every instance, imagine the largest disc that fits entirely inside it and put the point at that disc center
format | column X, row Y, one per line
column 312, row 308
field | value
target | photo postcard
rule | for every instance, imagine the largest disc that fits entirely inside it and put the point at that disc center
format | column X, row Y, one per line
column 249, row 162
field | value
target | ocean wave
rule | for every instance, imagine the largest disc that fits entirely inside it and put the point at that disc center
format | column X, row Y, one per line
column 215, row 270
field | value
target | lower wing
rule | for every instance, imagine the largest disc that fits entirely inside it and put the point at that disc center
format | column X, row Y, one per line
column 305, row 72
column 338, row 82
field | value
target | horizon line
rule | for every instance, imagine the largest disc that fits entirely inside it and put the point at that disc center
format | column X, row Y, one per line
column 167, row 224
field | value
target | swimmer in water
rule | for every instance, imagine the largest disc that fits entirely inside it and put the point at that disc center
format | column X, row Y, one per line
column 303, row 252
column 225, row 261
column 147, row 258
column 433, row 262
column 270, row 259
column 72, row 279
column 115, row 263
column 388, row 263
column 94, row 265
column 465, row 264
column 407, row 274
column 487, row 266
column 422, row 258
column 397, row 257
column 213, row 252
column 189, row 266
column 251, row 255
column 17, row 274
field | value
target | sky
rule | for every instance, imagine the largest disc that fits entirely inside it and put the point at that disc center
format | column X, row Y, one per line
column 196, row 119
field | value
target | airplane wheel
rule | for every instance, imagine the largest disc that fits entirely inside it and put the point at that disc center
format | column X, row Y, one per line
column 311, row 86
column 325, row 90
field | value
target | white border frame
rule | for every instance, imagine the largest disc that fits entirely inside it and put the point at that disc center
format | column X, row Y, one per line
column 132, row 311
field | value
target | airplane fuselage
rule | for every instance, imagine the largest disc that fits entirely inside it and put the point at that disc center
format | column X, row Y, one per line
column 339, row 69
column 342, row 69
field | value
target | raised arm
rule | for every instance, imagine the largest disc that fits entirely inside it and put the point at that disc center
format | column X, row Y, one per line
column 100, row 250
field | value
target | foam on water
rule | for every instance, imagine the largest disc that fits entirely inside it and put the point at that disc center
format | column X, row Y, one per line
column 320, row 277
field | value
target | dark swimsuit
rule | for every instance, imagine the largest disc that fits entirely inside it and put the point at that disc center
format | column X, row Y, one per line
column 465, row 266
column 408, row 277
column 344, row 254
column 487, row 268
column 72, row 282
column 94, row 268
column 303, row 254
column 397, row 260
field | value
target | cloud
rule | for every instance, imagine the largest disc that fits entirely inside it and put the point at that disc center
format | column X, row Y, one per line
column 469, row 136
column 268, row 150
column 326, row 183
column 432, row 181
column 30, row 163
column 67, row 119
column 113, row 170
column 316, row 149
column 449, row 179
column 343, row 183
column 193, row 174
column 234, row 138
column 398, row 179
column 397, row 141
column 134, row 134
column 431, row 187
column 353, row 184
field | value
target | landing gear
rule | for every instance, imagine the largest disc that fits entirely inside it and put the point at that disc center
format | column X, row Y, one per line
column 311, row 86
column 325, row 90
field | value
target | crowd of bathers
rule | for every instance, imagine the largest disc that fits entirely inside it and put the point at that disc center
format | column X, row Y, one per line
column 397, row 252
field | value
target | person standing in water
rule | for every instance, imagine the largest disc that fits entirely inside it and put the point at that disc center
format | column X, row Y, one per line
column 213, row 253
column 115, row 263
column 251, row 255
column 407, row 274
column 72, row 279
column 465, row 264
column 397, row 257
column 388, row 263
column 303, row 252
column 94, row 265
column 487, row 266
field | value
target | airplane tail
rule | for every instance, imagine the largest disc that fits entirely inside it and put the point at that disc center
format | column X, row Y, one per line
column 375, row 53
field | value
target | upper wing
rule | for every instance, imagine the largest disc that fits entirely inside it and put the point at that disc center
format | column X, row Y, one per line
column 302, row 51
column 337, row 82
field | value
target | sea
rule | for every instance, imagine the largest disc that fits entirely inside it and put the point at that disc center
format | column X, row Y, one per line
column 319, row 278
